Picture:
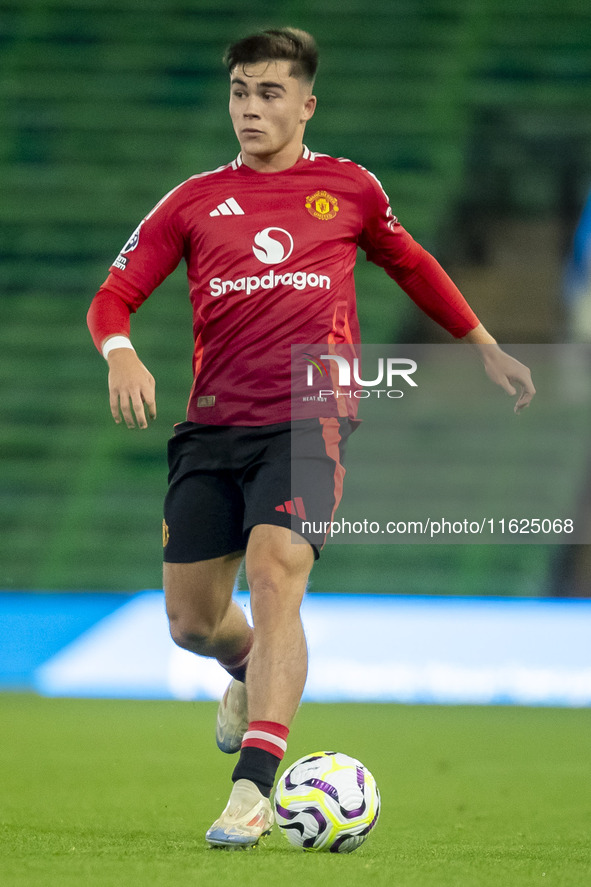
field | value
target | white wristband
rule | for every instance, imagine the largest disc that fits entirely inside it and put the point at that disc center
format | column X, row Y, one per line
column 116, row 342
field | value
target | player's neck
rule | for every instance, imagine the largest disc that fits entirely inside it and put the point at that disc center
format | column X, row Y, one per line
column 277, row 162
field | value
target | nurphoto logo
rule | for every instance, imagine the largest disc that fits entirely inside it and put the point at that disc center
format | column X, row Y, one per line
column 345, row 374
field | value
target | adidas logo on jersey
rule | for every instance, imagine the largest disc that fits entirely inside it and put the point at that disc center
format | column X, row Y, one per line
column 229, row 207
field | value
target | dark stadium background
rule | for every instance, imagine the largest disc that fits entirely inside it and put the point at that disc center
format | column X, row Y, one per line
column 474, row 114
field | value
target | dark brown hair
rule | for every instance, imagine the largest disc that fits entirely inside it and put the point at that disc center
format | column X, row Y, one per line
column 277, row 44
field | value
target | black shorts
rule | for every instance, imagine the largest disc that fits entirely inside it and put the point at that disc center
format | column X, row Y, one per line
column 224, row 480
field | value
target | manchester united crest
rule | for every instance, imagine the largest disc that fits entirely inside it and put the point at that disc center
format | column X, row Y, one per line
column 322, row 205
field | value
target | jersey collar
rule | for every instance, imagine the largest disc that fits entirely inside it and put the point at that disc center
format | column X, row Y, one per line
column 307, row 155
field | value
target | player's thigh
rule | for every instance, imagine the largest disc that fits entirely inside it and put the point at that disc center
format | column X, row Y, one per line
column 204, row 504
column 198, row 595
column 203, row 517
column 203, row 547
column 298, row 485
column 278, row 565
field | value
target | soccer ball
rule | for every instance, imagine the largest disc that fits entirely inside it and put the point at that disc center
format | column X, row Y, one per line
column 327, row 801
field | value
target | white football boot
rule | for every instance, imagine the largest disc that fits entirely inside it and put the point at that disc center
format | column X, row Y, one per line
column 232, row 722
column 247, row 817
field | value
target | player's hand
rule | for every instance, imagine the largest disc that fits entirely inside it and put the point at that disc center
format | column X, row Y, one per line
column 514, row 377
column 132, row 389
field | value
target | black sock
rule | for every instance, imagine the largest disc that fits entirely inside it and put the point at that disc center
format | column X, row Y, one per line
column 259, row 766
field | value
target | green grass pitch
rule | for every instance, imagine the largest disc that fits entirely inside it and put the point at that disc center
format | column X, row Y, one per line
column 98, row 793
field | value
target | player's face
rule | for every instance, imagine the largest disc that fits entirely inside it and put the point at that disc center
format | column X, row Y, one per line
column 269, row 111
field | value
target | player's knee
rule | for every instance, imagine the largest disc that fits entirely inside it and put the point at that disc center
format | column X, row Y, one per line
column 274, row 586
column 276, row 572
column 274, row 560
column 268, row 575
column 195, row 632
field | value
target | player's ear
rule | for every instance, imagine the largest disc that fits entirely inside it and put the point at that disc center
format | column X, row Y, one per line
column 309, row 108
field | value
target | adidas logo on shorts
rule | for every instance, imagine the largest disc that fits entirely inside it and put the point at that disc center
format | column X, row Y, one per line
column 293, row 506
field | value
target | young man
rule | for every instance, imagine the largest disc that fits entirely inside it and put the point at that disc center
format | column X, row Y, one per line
column 270, row 243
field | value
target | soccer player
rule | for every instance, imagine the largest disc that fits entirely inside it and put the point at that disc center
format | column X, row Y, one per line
column 270, row 243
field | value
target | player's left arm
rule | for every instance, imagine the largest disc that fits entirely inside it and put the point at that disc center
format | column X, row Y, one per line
column 514, row 377
column 420, row 275
column 422, row 278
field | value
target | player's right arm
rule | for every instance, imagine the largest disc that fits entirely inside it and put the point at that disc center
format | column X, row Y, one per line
column 132, row 389
column 151, row 254
column 131, row 385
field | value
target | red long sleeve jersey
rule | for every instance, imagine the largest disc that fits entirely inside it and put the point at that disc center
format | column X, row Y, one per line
column 270, row 260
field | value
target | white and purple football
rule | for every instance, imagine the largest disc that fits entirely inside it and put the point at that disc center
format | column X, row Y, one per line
column 327, row 801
